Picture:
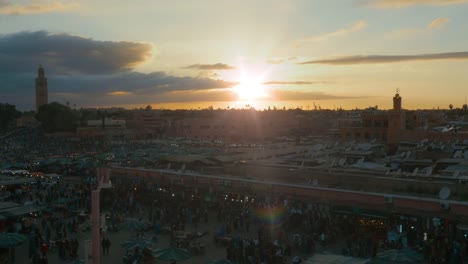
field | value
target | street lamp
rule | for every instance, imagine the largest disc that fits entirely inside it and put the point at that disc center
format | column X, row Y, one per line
column 103, row 183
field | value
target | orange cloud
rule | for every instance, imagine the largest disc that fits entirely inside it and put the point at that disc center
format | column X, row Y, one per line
column 438, row 23
column 36, row 6
column 357, row 26
column 287, row 95
column 119, row 93
column 217, row 66
column 408, row 3
column 435, row 24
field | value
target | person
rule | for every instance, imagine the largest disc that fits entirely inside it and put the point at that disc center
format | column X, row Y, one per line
column 44, row 249
column 296, row 260
column 103, row 245
column 108, row 244
column 323, row 238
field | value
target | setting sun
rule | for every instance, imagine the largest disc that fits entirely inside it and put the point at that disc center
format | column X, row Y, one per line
column 250, row 88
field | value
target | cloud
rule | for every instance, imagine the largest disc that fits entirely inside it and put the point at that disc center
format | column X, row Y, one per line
column 292, row 82
column 435, row 24
column 407, row 3
column 119, row 93
column 376, row 59
column 438, row 23
column 117, row 88
column 198, row 96
column 217, row 66
column 7, row 7
column 135, row 83
column 281, row 60
column 89, row 72
column 357, row 26
column 286, row 95
column 69, row 54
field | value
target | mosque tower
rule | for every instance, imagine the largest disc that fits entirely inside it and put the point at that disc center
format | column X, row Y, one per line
column 42, row 92
column 396, row 120
column 397, row 100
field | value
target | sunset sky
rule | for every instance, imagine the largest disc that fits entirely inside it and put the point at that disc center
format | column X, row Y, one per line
column 190, row 54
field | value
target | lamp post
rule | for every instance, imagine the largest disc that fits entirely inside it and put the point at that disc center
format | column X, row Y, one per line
column 103, row 182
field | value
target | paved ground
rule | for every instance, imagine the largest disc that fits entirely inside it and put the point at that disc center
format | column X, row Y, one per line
column 212, row 251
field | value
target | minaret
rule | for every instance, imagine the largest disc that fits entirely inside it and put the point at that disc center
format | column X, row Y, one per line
column 42, row 92
column 397, row 100
column 396, row 121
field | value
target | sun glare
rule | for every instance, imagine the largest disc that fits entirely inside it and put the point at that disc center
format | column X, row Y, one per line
column 250, row 88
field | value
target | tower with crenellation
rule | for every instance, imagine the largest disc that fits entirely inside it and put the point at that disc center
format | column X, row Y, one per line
column 396, row 120
column 42, row 92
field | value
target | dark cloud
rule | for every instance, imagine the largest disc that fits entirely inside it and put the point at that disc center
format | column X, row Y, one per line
column 69, row 54
column 217, row 66
column 137, row 83
column 221, row 95
column 199, row 96
column 292, row 83
column 375, row 59
column 89, row 72
column 108, row 89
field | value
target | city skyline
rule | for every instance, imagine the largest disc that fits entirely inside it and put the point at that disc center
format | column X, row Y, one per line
column 332, row 54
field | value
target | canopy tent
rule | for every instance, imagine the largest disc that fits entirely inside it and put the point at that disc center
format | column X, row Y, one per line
column 22, row 210
column 11, row 240
column 334, row 259
column 55, row 161
column 133, row 224
column 17, row 165
column 105, row 156
column 62, row 202
column 14, row 181
column 8, row 205
column 139, row 242
column 220, row 261
column 223, row 159
column 172, row 253
column 78, row 261
column 183, row 158
column 394, row 256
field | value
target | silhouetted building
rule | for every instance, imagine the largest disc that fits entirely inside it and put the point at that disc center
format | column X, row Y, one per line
column 397, row 101
column 42, row 92
column 394, row 126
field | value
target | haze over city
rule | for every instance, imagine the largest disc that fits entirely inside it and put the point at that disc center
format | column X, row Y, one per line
column 180, row 54
column 233, row 131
